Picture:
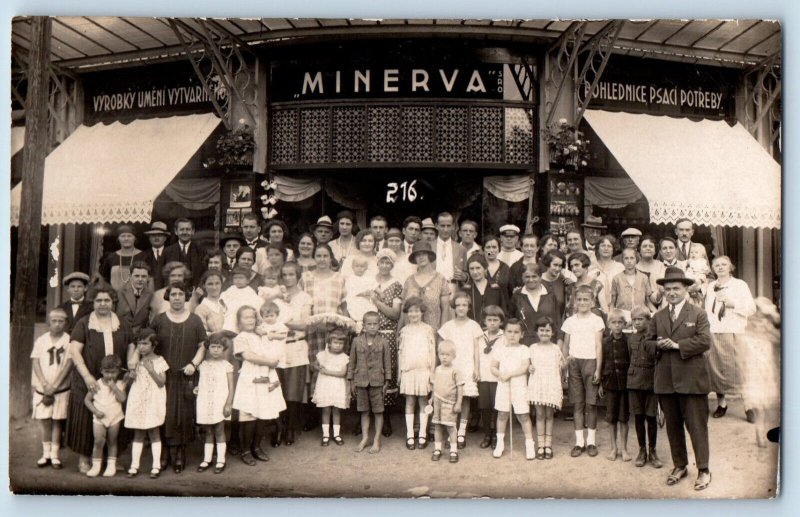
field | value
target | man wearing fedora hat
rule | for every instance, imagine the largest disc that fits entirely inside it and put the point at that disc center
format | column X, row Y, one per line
column 154, row 257
column 77, row 306
column 680, row 334
column 230, row 244
column 323, row 230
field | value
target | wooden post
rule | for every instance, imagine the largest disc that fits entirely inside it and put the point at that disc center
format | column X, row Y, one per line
column 262, row 124
column 30, row 218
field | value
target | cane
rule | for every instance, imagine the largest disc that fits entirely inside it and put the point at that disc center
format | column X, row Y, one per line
column 510, row 422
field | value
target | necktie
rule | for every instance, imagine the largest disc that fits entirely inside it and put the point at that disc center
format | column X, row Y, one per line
column 672, row 314
column 685, row 251
column 137, row 294
column 157, row 253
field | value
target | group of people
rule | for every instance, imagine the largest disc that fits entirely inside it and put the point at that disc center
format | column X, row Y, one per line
column 259, row 333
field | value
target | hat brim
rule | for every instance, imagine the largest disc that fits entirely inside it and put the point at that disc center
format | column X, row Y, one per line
column 324, row 225
column 685, row 281
column 413, row 256
column 156, row 232
column 69, row 279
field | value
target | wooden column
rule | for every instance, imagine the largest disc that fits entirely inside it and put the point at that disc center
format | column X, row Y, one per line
column 30, row 218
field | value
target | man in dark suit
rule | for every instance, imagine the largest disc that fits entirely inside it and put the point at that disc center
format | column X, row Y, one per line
column 186, row 250
column 251, row 231
column 133, row 305
column 154, row 257
column 684, row 230
column 681, row 334
column 77, row 306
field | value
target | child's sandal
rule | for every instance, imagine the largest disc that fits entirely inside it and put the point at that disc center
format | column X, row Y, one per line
column 423, row 442
column 325, row 441
column 338, row 440
column 453, row 457
column 548, row 453
column 219, row 467
column 155, row 473
column 437, row 455
column 56, row 463
column 132, row 472
column 540, row 453
column 410, row 445
column 203, row 466
column 461, row 442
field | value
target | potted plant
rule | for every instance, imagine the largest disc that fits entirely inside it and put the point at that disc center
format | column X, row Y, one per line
column 569, row 149
column 234, row 149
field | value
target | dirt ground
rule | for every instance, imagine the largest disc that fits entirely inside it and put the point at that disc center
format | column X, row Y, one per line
column 739, row 469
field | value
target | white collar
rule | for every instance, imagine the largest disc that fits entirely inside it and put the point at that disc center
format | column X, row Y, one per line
column 94, row 322
column 678, row 307
column 75, row 302
column 541, row 292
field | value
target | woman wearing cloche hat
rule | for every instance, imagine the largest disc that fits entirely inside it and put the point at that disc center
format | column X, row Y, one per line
column 115, row 266
column 428, row 284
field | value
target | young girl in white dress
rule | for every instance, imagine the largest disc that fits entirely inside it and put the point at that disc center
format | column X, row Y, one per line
column 465, row 334
column 331, row 393
column 256, row 397
column 147, row 401
column 417, row 360
column 215, row 397
column 544, row 384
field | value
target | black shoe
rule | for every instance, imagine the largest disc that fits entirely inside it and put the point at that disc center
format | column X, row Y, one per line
column 751, row 415
column 577, row 451
column 290, row 437
column 641, row 459
column 493, row 444
column 486, row 442
column 165, row 459
column 720, row 412
column 260, row 455
column 276, row 440
column 387, row 426
column 179, row 460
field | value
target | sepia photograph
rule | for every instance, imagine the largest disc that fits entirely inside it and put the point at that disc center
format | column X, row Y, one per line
column 395, row 258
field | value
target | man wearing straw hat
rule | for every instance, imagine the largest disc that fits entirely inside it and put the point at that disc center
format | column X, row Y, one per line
column 681, row 335
column 77, row 306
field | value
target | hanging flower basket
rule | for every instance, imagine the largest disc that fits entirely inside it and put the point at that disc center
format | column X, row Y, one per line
column 234, row 149
column 569, row 149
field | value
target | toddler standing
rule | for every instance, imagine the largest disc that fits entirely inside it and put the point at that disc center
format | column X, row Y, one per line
column 446, row 399
column 417, row 359
column 510, row 365
column 331, row 393
column 544, row 385
column 464, row 333
column 50, row 366
column 215, row 397
column 147, row 401
column 641, row 399
column 614, row 381
column 106, row 406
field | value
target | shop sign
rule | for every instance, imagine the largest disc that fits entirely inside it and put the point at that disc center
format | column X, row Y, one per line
column 152, row 91
column 656, row 87
column 328, row 82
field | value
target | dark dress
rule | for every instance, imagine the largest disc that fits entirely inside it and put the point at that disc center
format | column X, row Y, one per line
column 502, row 277
column 388, row 329
column 521, row 308
column 177, row 345
column 515, row 275
column 78, row 435
column 557, row 288
column 492, row 295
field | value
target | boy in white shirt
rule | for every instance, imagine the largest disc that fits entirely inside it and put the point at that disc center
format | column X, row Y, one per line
column 50, row 383
column 583, row 348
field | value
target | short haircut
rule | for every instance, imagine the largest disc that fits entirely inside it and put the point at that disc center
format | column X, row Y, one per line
column 183, row 220
column 370, row 314
column 141, row 265
column 245, row 249
column 363, row 233
column 461, row 295
column 538, row 267
column 208, row 274
column 581, row 257
column 338, row 334
column 325, row 246
column 493, row 310
column 414, row 301
column 489, row 238
column 725, row 257
column 469, row 222
column 576, row 232
column 279, row 247
column 667, row 239
column 543, row 322
column 584, row 289
column 378, row 218
column 412, row 219
column 635, row 253
column 530, row 236
column 616, row 314
column 57, row 310
column 298, row 271
column 101, row 288
column 269, row 307
column 147, row 334
column 219, row 338
column 213, row 252
column 443, row 214
column 517, row 322
column 611, row 240
column 110, row 362
column 647, row 237
column 551, row 255
column 684, row 220
column 242, row 310
column 447, row 346
column 250, row 216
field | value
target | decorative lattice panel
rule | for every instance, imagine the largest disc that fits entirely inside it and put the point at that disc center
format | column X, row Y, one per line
column 452, row 134
column 486, row 135
column 417, row 134
column 348, row 134
column 314, row 135
column 284, row 136
column 519, row 135
column 384, row 134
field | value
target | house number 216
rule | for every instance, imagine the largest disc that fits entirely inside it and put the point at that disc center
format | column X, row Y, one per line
column 406, row 191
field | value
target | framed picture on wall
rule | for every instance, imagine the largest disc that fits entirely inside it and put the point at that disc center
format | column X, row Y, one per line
column 241, row 194
column 233, row 217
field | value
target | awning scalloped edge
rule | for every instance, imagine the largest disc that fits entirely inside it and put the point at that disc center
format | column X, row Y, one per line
column 712, row 215
column 70, row 213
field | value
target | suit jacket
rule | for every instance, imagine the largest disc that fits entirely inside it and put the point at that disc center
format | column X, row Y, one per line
column 84, row 309
column 135, row 313
column 369, row 365
column 679, row 252
column 685, row 370
column 193, row 260
column 458, row 255
column 521, row 308
column 148, row 257
column 261, row 242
